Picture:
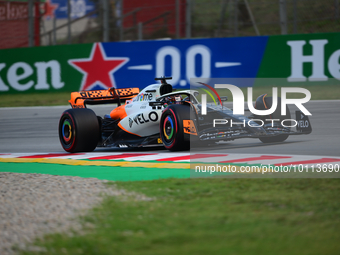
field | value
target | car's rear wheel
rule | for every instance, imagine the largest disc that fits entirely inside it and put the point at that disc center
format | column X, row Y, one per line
column 79, row 130
column 262, row 103
column 171, row 127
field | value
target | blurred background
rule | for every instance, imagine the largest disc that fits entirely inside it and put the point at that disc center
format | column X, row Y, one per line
column 55, row 22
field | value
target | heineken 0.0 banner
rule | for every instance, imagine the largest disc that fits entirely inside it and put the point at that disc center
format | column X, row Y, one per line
column 298, row 59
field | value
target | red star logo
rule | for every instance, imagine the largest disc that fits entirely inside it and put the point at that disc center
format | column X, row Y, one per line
column 98, row 69
column 49, row 9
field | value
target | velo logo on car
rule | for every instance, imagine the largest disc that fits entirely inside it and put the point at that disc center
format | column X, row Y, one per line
column 238, row 104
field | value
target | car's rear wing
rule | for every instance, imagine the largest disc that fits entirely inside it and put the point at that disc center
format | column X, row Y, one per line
column 110, row 96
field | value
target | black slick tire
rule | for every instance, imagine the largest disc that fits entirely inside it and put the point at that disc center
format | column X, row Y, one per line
column 79, row 130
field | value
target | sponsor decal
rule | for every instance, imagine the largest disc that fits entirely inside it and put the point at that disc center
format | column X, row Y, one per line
column 145, row 97
column 140, row 118
column 303, row 123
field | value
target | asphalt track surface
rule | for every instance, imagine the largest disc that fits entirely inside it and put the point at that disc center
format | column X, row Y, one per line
column 35, row 129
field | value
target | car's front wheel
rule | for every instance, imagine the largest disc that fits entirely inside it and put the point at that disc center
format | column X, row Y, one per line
column 263, row 103
column 171, row 127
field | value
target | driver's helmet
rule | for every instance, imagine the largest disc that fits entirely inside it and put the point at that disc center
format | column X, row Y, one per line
column 171, row 99
column 174, row 98
column 178, row 98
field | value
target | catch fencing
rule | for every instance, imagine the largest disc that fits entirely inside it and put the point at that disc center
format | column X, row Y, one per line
column 52, row 22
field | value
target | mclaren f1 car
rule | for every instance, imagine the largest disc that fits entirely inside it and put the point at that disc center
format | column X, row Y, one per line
column 158, row 115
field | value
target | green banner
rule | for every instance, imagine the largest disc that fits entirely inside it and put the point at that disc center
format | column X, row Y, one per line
column 302, row 60
column 41, row 68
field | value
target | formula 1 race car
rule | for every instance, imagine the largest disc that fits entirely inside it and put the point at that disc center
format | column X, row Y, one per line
column 157, row 115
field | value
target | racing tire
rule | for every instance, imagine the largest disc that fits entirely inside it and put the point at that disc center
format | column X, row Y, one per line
column 171, row 127
column 263, row 103
column 79, row 130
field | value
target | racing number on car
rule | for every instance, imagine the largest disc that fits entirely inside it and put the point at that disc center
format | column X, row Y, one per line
column 189, row 127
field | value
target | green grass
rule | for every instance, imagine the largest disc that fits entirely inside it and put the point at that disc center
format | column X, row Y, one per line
column 35, row 99
column 212, row 216
column 319, row 92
